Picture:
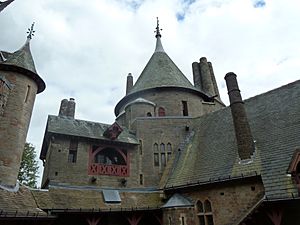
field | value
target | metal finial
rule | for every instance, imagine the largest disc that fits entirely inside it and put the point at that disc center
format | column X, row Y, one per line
column 30, row 32
column 157, row 31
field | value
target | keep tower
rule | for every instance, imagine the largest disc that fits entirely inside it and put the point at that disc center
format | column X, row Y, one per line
column 19, row 84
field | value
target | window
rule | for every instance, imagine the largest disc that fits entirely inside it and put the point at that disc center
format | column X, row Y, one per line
column 27, row 94
column 185, row 111
column 141, row 147
column 161, row 111
column 169, row 151
column 163, row 155
column 156, row 156
column 72, row 157
column 182, row 220
column 149, row 114
column 205, row 216
column 141, row 179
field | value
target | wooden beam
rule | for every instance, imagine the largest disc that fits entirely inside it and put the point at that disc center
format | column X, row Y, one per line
column 134, row 219
column 94, row 220
column 275, row 216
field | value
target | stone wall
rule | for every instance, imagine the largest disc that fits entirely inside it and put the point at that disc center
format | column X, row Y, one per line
column 59, row 170
column 14, row 123
column 229, row 202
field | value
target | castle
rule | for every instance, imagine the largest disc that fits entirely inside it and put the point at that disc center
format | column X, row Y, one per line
column 176, row 155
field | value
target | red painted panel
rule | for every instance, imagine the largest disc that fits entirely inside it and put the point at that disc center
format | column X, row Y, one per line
column 111, row 170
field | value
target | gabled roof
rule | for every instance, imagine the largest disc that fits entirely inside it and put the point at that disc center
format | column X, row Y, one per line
column 274, row 119
column 81, row 128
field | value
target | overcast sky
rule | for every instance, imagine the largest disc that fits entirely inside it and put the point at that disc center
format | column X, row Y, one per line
column 85, row 49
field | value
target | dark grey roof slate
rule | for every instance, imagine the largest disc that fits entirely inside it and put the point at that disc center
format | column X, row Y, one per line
column 274, row 119
column 83, row 128
column 22, row 58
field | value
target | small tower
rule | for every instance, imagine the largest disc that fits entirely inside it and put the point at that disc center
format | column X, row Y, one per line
column 19, row 84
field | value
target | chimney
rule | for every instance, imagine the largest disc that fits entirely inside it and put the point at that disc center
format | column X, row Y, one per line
column 63, row 107
column 67, row 108
column 197, row 75
column 242, row 128
column 214, row 82
column 207, row 83
column 71, row 108
column 129, row 83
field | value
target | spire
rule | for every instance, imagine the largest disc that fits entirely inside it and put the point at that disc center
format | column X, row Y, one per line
column 30, row 32
column 158, row 47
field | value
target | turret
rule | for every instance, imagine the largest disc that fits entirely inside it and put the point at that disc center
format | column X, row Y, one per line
column 19, row 84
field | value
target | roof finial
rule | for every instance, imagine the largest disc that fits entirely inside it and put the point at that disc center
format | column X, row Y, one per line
column 157, row 28
column 30, row 32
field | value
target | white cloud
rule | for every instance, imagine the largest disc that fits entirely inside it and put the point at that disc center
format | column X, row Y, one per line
column 85, row 49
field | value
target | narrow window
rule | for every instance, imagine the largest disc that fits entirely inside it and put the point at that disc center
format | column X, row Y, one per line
column 185, row 111
column 141, row 147
column 182, row 220
column 169, row 151
column 149, row 114
column 162, row 147
column 156, row 159
column 141, row 179
column 170, row 220
column 207, row 206
column 161, row 111
column 72, row 157
column 27, row 94
column 156, row 155
column 163, row 159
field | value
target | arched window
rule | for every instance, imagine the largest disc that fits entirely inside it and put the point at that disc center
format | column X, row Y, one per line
column 149, row 114
column 207, row 206
column 161, row 111
column 169, row 151
column 204, row 213
column 163, row 155
column 156, row 155
column 109, row 156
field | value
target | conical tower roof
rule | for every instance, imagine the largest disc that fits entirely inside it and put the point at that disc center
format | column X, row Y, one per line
column 22, row 61
column 160, row 71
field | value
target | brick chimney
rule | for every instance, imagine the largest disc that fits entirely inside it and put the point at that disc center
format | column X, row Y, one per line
column 67, row 108
column 242, row 128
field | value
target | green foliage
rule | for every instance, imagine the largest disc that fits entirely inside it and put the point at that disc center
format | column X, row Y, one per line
column 29, row 167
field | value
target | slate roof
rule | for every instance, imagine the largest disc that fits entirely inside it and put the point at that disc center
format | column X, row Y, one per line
column 177, row 200
column 22, row 61
column 274, row 119
column 81, row 128
column 81, row 198
column 19, row 204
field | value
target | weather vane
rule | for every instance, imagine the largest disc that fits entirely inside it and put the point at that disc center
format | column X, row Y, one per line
column 30, row 31
column 157, row 31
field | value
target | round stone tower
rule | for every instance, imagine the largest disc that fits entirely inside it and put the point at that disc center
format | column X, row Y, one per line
column 19, row 84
